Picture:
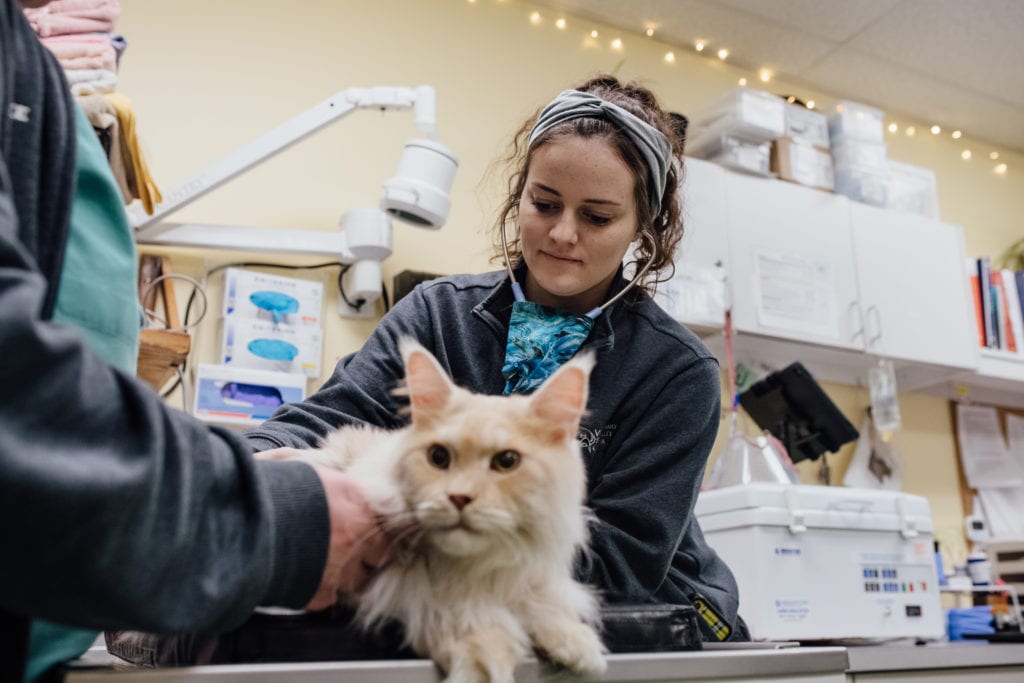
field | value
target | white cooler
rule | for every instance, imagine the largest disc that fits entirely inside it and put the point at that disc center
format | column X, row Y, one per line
column 818, row 562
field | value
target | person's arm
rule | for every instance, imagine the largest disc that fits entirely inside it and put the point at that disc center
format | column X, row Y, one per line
column 359, row 390
column 117, row 512
column 643, row 499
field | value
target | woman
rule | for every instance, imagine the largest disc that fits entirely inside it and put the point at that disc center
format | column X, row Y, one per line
column 597, row 170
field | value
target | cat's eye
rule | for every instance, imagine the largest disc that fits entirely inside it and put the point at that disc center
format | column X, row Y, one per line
column 505, row 461
column 439, row 456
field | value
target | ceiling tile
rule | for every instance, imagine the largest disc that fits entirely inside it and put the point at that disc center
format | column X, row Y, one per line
column 978, row 46
column 835, row 20
column 751, row 41
column 900, row 91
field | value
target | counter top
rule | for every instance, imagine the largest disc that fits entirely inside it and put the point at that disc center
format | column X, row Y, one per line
column 681, row 666
column 956, row 655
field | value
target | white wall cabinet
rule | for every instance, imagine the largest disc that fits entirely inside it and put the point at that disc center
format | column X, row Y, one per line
column 835, row 284
column 696, row 293
column 790, row 270
column 913, row 293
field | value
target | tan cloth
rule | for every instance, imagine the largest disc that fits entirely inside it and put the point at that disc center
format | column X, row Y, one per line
column 145, row 188
column 102, row 115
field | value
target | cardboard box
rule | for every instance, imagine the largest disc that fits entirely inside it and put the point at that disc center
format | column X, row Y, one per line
column 799, row 162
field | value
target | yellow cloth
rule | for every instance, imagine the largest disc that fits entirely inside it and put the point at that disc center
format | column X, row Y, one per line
column 145, row 187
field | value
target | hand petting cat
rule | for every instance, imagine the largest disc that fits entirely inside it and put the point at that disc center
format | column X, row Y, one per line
column 358, row 546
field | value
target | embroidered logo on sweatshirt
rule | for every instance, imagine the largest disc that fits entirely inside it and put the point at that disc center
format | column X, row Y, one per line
column 592, row 439
column 18, row 112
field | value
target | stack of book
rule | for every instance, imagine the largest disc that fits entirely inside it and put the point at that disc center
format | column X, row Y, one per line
column 998, row 296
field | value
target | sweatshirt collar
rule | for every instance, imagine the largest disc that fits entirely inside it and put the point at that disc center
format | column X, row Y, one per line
column 495, row 309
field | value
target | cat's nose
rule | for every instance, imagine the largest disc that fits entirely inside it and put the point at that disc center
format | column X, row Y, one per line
column 460, row 500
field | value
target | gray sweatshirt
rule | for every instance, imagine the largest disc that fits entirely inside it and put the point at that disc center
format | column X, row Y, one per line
column 653, row 416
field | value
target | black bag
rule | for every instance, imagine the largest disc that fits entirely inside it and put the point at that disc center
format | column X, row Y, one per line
column 332, row 635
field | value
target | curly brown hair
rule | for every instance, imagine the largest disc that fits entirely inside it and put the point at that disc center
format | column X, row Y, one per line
column 665, row 229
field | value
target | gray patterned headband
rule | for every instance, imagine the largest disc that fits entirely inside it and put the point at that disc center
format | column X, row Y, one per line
column 651, row 142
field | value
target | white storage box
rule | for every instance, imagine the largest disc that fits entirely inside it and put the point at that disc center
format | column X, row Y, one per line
column 807, row 125
column 733, row 152
column 818, row 562
column 868, row 156
column 753, row 115
column 856, row 121
column 912, row 188
column 863, row 184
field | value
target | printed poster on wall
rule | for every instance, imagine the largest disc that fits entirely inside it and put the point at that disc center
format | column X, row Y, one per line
column 795, row 295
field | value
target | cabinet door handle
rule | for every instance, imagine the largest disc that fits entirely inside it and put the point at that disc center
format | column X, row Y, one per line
column 857, row 314
column 877, row 336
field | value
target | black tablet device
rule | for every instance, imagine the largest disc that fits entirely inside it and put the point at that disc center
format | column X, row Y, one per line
column 791, row 405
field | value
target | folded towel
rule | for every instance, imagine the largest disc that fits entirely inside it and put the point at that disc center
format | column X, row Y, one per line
column 103, row 116
column 135, row 163
column 89, row 54
column 73, row 16
column 89, row 81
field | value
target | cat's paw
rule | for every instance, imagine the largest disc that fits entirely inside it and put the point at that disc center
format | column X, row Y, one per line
column 575, row 646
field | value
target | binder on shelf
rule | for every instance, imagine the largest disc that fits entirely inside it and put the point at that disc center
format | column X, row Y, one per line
column 979, row 320
column 984, row 268
column 1014, row 315
column 1018, row 278
column 1007, row 340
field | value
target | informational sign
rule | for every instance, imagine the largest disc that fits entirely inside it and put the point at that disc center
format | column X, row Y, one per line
column 795, row 295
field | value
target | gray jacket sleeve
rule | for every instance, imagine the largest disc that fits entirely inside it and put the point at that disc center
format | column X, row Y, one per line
column 359, row 390
column 644, row 494
column 119, row 513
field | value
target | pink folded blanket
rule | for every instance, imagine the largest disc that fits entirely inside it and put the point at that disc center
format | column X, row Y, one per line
column 62, row 17
column 91, row 54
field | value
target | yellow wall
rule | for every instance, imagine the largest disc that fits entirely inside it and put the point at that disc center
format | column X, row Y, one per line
column 208, row 76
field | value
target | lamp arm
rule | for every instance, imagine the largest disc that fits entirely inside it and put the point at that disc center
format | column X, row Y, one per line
column 283, row 136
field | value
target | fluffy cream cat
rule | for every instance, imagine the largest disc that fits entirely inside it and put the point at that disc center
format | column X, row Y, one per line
column 488, row 492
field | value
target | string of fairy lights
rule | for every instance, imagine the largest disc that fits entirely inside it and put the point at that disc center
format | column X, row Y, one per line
column 704, row 48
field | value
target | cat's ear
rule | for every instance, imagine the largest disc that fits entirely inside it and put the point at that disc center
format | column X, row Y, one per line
column 427, row 383
column 562, row 400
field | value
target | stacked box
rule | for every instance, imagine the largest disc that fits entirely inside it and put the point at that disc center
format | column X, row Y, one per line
column 272, row 322
column 912, row 188
column 857, row 135
column 737, row 129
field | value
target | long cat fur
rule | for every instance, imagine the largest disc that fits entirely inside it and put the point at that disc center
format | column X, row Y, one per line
column 475, row 600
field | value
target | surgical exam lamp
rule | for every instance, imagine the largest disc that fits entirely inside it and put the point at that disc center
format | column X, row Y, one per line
column 418, row 194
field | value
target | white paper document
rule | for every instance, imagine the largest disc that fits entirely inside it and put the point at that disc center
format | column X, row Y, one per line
column 694, row 295
column 986, row 458
column 796, row 295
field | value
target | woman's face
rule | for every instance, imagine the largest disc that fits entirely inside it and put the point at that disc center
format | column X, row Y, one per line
column 577, row 217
